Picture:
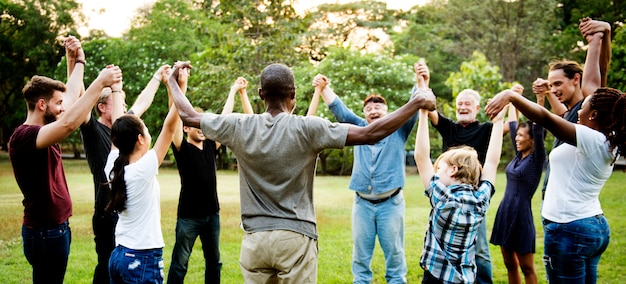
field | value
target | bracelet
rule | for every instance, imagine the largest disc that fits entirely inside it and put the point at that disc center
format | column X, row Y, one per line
column 156, row 78
column 116, row 91
column 78, row 60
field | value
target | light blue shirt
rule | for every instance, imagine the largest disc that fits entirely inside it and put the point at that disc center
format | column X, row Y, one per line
column 380, row 167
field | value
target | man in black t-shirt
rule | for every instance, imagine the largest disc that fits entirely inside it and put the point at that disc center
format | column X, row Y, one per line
column 198, row 205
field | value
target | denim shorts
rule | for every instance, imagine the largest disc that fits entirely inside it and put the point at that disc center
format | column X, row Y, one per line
column 136, row 266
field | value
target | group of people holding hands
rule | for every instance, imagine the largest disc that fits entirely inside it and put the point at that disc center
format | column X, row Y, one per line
column 277, row 151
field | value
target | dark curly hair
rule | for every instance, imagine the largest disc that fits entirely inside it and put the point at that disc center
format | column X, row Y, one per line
column 610, row 105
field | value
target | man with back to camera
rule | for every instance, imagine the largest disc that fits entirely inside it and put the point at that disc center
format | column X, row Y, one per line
column 277, row 152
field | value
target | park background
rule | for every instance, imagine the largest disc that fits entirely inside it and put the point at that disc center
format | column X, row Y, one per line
column 363, row 47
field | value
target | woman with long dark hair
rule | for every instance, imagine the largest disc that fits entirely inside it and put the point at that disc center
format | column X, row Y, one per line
column 132, row 168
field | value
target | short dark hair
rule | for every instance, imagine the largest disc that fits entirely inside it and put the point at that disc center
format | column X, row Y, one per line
column 40, row 87
column 570, row 68
column 374, row 98
column 277, row 82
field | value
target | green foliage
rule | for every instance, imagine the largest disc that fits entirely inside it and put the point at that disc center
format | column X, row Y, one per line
column 361, row 25
column 617, row 72
column 31, row 37
column 355, row 75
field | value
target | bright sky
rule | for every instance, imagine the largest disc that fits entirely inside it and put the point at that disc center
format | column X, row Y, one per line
column 113, row 16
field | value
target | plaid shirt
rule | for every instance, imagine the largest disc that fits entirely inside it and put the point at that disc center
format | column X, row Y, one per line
column 450, row 241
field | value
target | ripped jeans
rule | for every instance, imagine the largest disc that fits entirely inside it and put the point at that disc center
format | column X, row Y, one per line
column 572, row 250
column 136, row 266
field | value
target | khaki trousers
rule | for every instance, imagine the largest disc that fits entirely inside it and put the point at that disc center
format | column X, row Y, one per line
column 278, row 256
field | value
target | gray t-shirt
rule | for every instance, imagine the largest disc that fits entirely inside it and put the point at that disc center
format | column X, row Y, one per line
column 276, row 158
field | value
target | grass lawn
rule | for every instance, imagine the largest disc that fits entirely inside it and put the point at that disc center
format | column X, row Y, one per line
column 333, row 202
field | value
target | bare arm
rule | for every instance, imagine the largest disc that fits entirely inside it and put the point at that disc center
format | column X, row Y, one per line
column 558, row 126
column 422, row 80
column 492, row 158
column 167, row 133
column 422, row 149
column 315, row 101
column 239, row 84
column 145, row 98
column 183, row 77
column 386, row 125
column 245, row 101
column 541, row 88
column 73, row 117
column 185, row 109
column 588, row 27
column 592, row 78
column 322, row 84
column 75, row 86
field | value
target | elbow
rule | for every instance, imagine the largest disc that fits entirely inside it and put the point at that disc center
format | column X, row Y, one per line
column 190, row 119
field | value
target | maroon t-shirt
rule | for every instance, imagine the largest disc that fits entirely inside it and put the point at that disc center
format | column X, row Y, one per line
column 40, row 176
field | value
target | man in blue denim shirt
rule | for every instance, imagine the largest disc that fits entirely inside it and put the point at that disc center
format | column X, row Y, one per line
column 377, row 178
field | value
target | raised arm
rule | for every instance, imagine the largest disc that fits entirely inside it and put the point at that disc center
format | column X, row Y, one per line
column 187, row 113
column 589, row 27
column 541, row 88
column 183, row 77
column 75, row 86
column 422, row 80
column 322, row 84
column 245, row 101
column 492, row 158
column 239, row 84
column 167, row 134
column 558, row 126
column 145, row 98
column 73, row 116
column 379, row 129
column 422, row 149
column 315, row 101
column 594, row 32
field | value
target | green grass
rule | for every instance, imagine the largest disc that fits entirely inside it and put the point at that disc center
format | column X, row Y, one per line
column 333, row 205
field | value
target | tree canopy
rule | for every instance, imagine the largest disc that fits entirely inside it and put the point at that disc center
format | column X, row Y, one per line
column 363, row 47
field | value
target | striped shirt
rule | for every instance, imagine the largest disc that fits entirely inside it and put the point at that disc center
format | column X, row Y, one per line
column 450, row 241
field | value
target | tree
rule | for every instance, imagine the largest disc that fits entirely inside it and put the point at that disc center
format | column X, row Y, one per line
column 353, row 77
column 31, row 37
column 617, row 73
column 361, row 25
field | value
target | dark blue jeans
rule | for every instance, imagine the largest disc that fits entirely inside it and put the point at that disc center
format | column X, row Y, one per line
column 136, row 266
column 47, row 251
column 572, row 250
column 104, row 236
column 187, row 231
column 483, row 257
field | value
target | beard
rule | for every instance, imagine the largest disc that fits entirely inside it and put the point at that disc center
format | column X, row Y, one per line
column 49, row 117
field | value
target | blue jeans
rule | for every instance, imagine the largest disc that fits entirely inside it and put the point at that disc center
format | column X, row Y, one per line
column 483, row 257
column 187, row 230
column 136, row 266
column 103, row 224
column 47, row 251
column 572, row 250
column 385, row 219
